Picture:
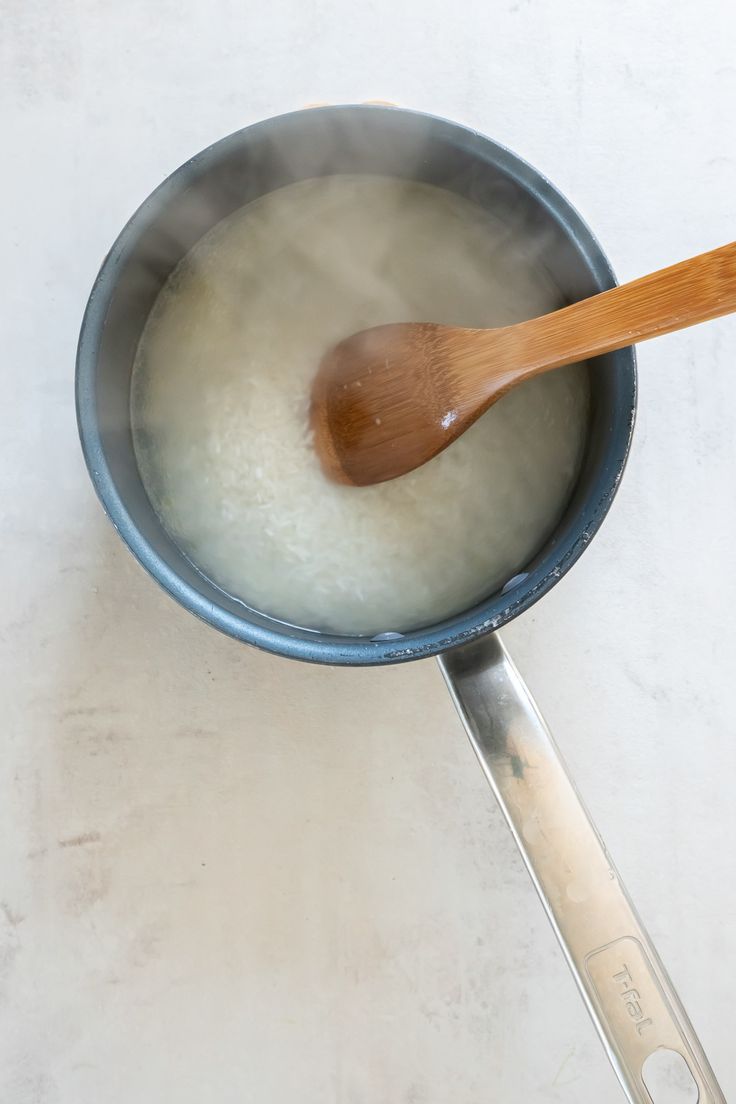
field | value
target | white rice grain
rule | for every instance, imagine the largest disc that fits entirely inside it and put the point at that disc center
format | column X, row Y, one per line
column 221, row 390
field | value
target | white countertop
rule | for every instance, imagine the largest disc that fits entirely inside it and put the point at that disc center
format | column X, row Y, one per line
column 221, row 879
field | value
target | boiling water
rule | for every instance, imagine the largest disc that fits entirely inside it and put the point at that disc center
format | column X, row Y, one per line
column 221, row 390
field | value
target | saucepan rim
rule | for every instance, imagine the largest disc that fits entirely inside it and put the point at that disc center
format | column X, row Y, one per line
column 488, row 615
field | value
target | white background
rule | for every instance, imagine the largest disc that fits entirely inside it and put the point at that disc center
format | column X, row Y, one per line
column 229, row 878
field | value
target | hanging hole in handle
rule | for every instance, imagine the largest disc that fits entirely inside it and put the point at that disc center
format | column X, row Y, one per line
column 668, row 1079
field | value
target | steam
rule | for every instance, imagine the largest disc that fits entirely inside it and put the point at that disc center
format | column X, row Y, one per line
column 329, row 142
column 224, row 370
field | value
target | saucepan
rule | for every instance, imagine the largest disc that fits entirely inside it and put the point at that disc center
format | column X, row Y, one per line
column 632, row 1002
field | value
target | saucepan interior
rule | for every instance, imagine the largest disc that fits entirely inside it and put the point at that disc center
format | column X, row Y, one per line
column 260, row 159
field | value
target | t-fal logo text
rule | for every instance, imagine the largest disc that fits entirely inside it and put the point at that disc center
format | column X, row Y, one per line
column 630, row 997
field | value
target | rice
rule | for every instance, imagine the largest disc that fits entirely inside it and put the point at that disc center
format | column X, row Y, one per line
column 221, row 389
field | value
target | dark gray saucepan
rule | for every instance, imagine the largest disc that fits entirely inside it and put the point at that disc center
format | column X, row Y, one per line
column 258, row 160
column 633, row 1005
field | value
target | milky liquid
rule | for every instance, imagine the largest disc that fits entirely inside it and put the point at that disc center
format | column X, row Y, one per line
column 221, row 390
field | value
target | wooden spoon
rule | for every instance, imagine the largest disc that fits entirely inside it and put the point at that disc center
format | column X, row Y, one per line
column 390, row 398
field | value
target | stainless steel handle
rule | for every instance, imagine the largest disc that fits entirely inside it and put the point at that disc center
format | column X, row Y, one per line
column 633, row 1003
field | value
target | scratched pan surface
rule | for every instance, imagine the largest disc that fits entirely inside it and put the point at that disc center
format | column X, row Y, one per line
column 259, row 159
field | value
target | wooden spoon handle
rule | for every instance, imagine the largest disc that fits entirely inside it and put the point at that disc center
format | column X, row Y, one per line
column 684, row 294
